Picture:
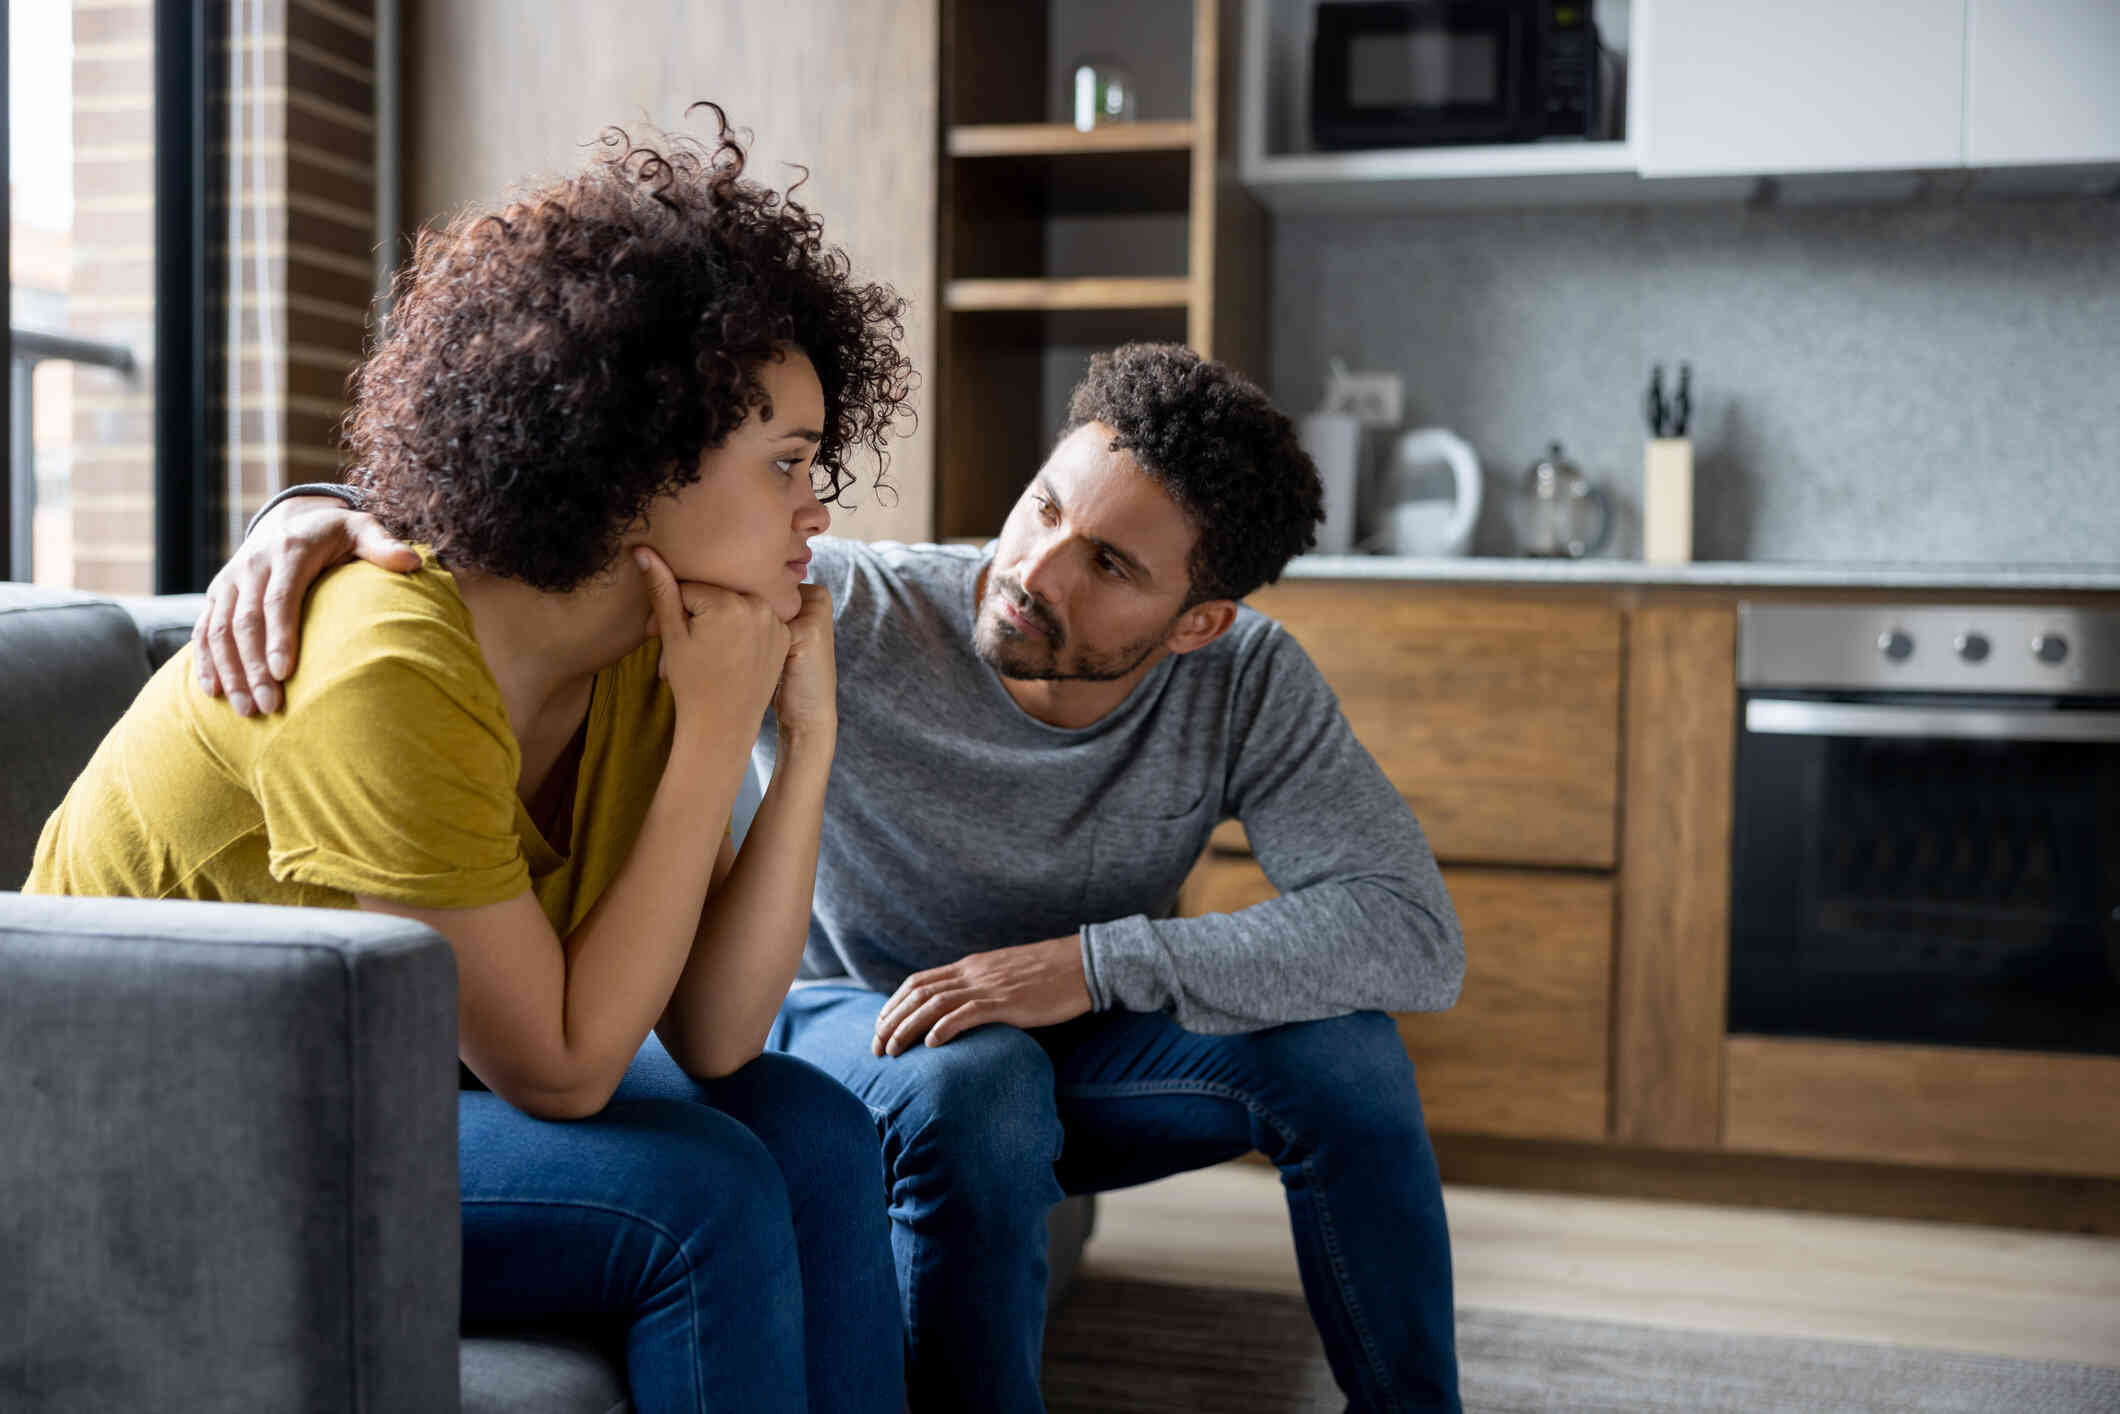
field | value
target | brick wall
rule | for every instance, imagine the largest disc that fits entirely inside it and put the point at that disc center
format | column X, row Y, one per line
column 295, row 134
column 111, row 294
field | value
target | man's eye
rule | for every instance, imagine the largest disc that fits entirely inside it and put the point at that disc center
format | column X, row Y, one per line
column 1111, row 567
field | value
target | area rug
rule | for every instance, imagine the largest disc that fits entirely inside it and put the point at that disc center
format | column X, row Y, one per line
column 1126, row 1347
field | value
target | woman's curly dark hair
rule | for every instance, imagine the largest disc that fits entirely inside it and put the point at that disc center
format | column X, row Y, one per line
column 1212, row 439
column 550, row 369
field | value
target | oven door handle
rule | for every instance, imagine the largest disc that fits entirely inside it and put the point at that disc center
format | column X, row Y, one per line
column 1784, row 716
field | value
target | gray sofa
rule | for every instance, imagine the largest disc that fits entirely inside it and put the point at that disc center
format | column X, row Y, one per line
column 228, row 1139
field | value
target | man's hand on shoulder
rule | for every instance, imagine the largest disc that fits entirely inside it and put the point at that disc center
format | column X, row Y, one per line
column 1036, row 984
column 246, row 640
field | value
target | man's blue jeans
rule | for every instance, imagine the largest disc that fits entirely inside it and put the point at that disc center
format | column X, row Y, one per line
column 981, row 1137
column 733, row 1229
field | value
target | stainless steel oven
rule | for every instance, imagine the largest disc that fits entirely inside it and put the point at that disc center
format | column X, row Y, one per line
column 1927, row 837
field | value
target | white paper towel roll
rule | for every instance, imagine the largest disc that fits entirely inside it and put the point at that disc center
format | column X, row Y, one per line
column 1334, row 442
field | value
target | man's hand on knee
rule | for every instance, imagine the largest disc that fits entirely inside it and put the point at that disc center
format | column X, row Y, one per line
column 1036, row 984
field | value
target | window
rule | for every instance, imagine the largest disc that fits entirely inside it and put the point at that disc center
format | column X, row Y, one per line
column 81, row 294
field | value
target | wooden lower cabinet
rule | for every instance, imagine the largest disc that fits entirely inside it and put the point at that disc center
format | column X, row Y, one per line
column 1526, row 1051
column 1497, row 716
column 1949, row 1106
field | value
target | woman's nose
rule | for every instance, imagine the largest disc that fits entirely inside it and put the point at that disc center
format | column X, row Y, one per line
column 813, row 517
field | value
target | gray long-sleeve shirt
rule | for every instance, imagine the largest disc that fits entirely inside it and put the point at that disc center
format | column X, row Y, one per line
column 955, row 822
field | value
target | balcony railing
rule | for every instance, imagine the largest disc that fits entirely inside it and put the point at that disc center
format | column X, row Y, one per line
column 27, row 349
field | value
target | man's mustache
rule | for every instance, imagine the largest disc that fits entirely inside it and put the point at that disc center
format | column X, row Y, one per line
column 1020, row 599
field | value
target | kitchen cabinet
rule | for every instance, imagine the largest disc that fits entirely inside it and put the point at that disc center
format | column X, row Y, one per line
column 1931, row 1105
column 1497, row 716
column 2040, row 84
column 1675, row 884
column 1811, row 86
column 1525, row 1052
column 1571, row 752
column 1719, row 96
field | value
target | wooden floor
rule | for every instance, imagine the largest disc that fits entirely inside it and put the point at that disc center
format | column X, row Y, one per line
column 1995, row 1291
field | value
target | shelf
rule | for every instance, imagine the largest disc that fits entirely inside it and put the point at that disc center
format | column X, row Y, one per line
column 1128, row 292
column 1506, row 174
column 1064, row 140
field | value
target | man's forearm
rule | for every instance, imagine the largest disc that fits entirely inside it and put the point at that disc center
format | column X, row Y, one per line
column 350, row 495
column 1340, row 946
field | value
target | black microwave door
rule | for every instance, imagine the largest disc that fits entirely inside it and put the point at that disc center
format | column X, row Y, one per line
column 1409, row 75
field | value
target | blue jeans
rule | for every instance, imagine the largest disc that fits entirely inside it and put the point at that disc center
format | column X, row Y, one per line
column 984, row 1134
column 733, row 1229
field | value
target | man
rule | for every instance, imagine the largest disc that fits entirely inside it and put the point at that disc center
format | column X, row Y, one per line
column 1037, row 739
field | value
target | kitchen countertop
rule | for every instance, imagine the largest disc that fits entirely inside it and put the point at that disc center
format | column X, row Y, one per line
column 1493, row 569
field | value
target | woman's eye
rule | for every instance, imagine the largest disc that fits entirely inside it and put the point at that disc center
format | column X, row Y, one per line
column 786, row 465
column 1045, row 507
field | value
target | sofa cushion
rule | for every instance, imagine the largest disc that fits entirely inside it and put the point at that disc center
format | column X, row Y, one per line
column 540, row 1372
column 70, row 664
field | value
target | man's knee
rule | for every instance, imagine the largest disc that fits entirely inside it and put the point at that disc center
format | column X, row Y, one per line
column 981, row 1115
column 1348, row 1076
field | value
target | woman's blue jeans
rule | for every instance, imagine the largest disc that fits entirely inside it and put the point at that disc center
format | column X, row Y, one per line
column 733, row 1229
column 984, row 1134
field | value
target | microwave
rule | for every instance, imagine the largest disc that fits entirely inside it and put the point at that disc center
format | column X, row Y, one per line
column 1416, row 73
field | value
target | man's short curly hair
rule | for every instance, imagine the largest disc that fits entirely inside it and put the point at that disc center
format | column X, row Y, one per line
column 1212, row 439
column 552, row 368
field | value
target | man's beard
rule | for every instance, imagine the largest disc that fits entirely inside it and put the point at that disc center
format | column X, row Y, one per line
column 1016, row 655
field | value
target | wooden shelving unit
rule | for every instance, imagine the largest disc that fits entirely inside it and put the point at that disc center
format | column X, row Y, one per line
column 1055, row 242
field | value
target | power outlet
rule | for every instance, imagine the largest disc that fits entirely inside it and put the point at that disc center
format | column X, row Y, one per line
column 1375, row 399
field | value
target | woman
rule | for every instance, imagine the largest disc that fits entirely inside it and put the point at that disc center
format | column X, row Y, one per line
column 605, row 414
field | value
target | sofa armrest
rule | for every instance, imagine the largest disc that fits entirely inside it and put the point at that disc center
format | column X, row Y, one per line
column 165, row 622
column 229, row 1173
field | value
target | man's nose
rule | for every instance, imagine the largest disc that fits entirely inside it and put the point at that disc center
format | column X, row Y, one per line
column 1042, row 572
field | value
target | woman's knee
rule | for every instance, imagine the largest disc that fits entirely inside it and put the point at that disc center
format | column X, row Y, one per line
column 705, row 1179
column 822, row 1134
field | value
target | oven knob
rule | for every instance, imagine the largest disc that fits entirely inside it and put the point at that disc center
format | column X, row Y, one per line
column 2049, row 647
column 1896, row 645
column 1973, row 647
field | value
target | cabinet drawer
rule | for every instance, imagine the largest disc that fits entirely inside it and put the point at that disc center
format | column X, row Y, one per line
column 1498, row 718
column 1525, row 1052
column 1942, row 1105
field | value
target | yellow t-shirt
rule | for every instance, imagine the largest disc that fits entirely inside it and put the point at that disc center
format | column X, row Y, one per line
column 390, row 770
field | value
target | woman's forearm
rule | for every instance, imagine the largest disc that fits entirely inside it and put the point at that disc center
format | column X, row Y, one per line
column 751, row 936
column 625, row 958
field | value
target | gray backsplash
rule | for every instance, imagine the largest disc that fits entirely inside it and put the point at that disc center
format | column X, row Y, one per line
column 1926, row 383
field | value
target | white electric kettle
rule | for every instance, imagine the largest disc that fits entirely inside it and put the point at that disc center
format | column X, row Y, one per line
column 1431, row 525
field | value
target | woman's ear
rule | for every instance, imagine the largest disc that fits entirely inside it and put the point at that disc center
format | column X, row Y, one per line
column 1201, row 625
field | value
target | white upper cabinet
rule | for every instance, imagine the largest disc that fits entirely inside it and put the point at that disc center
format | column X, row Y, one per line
column 2042, row 82
column 1730, row 89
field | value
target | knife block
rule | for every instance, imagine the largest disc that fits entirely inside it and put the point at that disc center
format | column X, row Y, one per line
column 1667, row 501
